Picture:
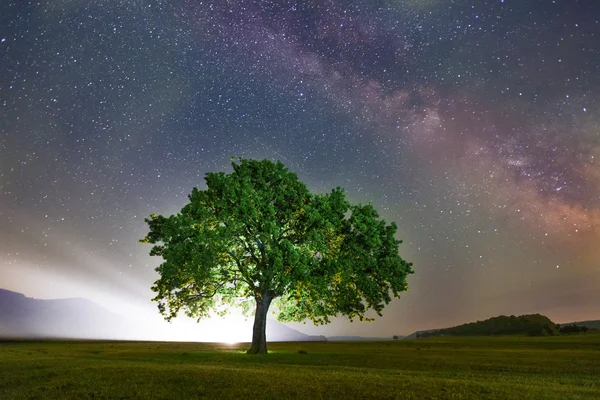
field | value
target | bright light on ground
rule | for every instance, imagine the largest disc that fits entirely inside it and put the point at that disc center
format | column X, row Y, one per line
column 141, row 316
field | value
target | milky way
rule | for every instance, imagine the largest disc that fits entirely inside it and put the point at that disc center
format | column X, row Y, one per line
column 476, row 127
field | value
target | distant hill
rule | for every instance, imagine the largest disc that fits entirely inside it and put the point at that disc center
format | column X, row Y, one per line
column 590, row 324
column 77, row 318
column 24, row 317
column 414, row 334
column 533, row 325
column 358, row 338
column 278, row 332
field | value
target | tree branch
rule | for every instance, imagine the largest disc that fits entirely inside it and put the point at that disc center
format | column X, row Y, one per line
column 204, row 295
column 243, row 271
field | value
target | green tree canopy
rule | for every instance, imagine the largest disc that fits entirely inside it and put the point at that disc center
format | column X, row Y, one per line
column 257, row 235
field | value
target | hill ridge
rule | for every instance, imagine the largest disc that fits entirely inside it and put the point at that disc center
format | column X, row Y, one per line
column 527, row 324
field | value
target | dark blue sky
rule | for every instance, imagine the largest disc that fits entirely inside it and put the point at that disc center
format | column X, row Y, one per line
column 474, row 125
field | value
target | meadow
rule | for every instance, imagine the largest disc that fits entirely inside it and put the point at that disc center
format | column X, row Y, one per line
column 563, row 367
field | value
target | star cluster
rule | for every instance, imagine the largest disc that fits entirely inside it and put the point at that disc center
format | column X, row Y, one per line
column 474, row 125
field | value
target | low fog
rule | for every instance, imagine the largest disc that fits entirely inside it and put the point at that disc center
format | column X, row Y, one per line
column 65, row 307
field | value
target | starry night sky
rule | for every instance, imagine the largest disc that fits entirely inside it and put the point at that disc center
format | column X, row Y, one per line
column 474, row 125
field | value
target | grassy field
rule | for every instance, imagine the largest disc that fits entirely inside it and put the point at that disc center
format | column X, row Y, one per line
column 565, row 367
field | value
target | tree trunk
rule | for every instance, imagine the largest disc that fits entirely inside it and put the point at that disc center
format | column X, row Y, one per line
column 259, row 331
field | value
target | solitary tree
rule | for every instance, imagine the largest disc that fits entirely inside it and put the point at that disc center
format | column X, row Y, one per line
column 257, row 235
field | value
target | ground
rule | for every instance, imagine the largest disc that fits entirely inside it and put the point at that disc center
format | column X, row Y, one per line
column 565, row 367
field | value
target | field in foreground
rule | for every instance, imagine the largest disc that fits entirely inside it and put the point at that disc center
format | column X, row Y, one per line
column 566, row 367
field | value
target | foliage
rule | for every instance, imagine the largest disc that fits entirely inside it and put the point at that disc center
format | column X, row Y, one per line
column 259, row 234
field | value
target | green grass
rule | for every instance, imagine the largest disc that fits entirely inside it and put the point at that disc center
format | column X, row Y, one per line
column 565, row 367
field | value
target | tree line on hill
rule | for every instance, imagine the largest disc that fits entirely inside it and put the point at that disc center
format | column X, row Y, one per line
column 531, row 325
column 572, row 328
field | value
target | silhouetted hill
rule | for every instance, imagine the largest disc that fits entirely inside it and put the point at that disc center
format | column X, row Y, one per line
column 590, row 324
column 25, row 317
column 358, row 338
column 77, row 318
column 533, row 324
column 414, row 334
column 278, row 332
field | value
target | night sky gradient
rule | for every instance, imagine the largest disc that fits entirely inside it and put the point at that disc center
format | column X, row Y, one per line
column 474, row 125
